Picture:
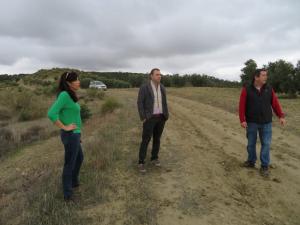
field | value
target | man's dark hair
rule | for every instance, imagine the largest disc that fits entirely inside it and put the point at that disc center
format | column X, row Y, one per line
column 64, row 86
column 257, row 73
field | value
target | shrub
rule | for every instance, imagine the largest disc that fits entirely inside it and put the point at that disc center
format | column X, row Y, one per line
column 110, row 105
column 6, row 140
column 95, row 93
column 85, row 112
column 21, row 100
column 3, row 124
column 12, row 137
column 25, row 104
column 34, row 81
column 113, row 83
column 34, row 111
column 5, row 114
column 25, row 115
column 85, row 83
column 32, row 134
column 50, row 90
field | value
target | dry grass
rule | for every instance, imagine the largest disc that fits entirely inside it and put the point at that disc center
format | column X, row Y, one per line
column 228, row 99
column 23, row 103
column 15, row 135
column 291, row 108
column 94, row 94
column 225, row 98
column 5, row 113
column 110, row 105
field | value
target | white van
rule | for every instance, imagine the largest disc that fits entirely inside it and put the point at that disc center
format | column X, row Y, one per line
column 98, row 84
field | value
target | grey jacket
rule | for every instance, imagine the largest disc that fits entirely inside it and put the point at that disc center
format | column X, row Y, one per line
column 146, row 100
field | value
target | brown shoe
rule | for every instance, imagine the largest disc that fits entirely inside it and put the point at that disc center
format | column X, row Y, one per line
column 248, row 164
column 142, row 168
column 156, row 163
column 264, row 171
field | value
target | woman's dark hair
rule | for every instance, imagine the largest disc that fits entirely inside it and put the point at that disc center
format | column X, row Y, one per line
column 64, row 86
column 257, row 74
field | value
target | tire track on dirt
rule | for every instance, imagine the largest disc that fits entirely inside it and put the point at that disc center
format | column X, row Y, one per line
column 206, row 176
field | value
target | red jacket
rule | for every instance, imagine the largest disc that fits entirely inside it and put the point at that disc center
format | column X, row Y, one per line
column 242, row 106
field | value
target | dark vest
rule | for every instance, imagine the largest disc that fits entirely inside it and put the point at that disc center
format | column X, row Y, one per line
column 259, row 105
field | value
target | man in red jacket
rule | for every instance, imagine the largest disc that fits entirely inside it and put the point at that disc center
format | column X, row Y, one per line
column 255, row 110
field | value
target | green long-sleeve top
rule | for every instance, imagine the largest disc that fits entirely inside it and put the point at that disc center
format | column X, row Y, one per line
column 65, row 110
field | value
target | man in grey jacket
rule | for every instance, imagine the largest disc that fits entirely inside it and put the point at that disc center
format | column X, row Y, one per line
column 153, row 111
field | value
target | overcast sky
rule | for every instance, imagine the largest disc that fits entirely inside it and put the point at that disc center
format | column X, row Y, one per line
column 179, row 36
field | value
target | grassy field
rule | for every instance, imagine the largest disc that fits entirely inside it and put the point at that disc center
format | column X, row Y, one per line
column 228, row 100
column 200, row 182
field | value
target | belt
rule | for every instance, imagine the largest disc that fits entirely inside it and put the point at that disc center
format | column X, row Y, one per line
column 157, row 115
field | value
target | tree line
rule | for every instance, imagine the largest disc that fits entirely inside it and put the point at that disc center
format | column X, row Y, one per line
column 126, row 80
column 47, row 77
column 283, row 76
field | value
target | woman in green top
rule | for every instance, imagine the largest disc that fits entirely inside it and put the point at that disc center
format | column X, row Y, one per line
column 65, row 114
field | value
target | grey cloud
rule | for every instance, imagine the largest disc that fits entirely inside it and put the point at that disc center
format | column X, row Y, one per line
column 213, row 37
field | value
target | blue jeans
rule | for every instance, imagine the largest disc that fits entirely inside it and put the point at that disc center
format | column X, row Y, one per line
column 73, row 161
column 265, row 135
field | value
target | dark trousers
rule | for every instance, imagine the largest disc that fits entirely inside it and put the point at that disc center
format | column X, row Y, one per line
column 151, row 127
column 73, row 161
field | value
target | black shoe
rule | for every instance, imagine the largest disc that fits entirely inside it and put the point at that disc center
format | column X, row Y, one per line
column 75, row 185
column 264, row 171
column 68, row 199
column 248, row 164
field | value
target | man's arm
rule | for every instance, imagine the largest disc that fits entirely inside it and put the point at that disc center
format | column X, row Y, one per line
column 242, row 108
column 140, row 103
column 164, row 91
column 277, row 108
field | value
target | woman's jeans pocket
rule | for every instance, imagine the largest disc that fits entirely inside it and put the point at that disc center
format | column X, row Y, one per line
column 65, row 136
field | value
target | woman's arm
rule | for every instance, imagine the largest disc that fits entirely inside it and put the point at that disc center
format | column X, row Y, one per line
column 60, row 125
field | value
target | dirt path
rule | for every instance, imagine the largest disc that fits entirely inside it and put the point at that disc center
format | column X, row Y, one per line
column 208, row 185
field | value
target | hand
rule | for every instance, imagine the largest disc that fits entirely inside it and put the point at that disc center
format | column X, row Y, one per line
column 282, row 121
column 70, row 127
column 244, row 124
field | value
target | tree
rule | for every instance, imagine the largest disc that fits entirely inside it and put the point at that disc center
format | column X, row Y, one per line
column 178, row 81
column 248, row 71
column 136, row 80
column 282, row 77
column 197, row 80
column 297, row 76
column 85, row 83
column 166, row 80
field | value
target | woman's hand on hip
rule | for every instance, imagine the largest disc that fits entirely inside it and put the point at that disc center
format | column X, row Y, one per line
column 70, row 127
